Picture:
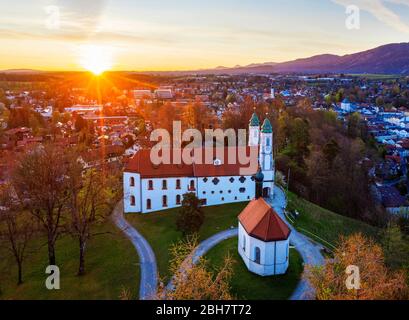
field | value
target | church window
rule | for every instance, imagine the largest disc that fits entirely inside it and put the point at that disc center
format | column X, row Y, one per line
column 268, row 142
column 215, row 181
column 205, row 180
column 178, row 184
column 150, row 185
column 242, row 190
column 231, row 179
column 132, row 182
column 164, row 184
column 164, row 201
column 257, row 255
column 133, row 201
column 178, row 199
column 192, row 185
column 148, row 204
column 242, row 179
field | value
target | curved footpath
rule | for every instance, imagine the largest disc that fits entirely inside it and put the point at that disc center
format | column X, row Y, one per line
column 147, row 259
column 308, row 249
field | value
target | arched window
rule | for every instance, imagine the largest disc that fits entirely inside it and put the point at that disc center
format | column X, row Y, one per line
column 178, row 199
column 244, row 243
column 257, row 255
column 192, row 185
column 164, row 184
column 178, row 184
column 132, row 182
column 133, row 201
column 150, row 185
column 148, row 204
column 164, row 201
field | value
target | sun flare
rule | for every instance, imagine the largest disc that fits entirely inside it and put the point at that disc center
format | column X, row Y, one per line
column 96, row 59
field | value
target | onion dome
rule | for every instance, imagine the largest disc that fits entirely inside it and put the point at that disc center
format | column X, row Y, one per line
column 267, row 127
column 254, row 121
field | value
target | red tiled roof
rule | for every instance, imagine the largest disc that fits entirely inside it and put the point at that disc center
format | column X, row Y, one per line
column 262, row 222
column 141, row 163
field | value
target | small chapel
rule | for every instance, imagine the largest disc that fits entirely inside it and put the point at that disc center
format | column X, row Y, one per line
column 263, row 236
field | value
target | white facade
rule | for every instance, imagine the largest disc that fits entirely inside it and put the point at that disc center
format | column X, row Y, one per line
column 156, row 194
column 263, row 258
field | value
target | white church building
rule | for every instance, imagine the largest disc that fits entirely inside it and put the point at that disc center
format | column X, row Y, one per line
column 263, row 239
column 149, row 188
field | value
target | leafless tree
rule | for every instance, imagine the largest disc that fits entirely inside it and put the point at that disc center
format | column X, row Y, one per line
column 40, row 182
column 88, row 204
column 16, row 228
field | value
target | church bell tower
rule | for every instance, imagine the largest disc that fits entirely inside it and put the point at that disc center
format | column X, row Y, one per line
column 254, row 131
column 266, row 158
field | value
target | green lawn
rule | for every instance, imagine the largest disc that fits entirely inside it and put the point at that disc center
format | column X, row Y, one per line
column 325, row 224
column 377, row 76
column 111, row 264
column 248, row 286
column 159, row 228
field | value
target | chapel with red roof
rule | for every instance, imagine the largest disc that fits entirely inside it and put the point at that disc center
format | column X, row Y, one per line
column 263, row 237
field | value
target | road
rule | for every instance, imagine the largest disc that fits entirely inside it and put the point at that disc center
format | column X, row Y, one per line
column 147, row 259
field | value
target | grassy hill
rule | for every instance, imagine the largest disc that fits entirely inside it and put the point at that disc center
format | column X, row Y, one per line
column 323, row 225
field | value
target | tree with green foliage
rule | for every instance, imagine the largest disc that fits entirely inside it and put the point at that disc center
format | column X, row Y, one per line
column 191, row 215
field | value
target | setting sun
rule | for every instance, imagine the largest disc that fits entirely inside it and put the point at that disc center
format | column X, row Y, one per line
column 96, row 59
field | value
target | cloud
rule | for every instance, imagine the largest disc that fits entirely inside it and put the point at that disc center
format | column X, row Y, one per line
column 380, row 11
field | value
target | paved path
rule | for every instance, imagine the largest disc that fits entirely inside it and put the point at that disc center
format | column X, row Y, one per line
column 147, row 260
column 309, row 251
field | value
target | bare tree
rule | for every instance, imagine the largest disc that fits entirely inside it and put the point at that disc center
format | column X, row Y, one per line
column 16, row 229
column 40, row 183
column 88, row 205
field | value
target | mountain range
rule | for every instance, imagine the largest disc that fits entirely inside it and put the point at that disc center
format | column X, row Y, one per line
column 386, row 59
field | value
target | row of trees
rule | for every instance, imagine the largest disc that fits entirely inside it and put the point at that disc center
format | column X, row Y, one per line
column 50, row 194
column 326, row 161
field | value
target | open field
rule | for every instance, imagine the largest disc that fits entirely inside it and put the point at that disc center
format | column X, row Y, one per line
column 111, row 264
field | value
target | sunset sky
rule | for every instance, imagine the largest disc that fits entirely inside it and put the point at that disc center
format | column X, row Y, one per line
column 181, row 34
